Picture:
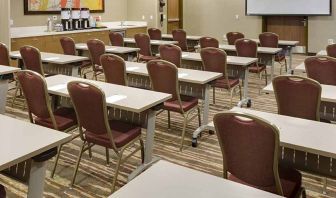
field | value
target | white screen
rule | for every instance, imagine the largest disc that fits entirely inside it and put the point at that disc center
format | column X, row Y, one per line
column 288, row 7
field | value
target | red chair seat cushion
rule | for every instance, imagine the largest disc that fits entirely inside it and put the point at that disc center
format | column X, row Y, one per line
column 65, row 118
column 256, row 69
column 148, row 58
column 122, row 133
column 188, row 102
column 290, row 179
column 279, row 58
column 224, row 84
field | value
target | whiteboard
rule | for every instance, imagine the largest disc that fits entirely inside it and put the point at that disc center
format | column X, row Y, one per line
column 288, row 7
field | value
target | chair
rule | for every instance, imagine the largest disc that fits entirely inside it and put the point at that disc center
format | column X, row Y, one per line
column 4, row 55
column 250, row 149
column 34, row 88
column 269, row 39
column 143, row 42
column 69, row 48
column 155, row 34
column 214, row 60
column 181, row 37
column 209, row 42
column 114, row 69
column 96, row 49
column 249, row 48
column 2, row 191
column 116, row 39
column 298, row 97
column 322, row 69
column 32, row 59
column 164, row 78
column 95, row 128
column 171, row 53
column 233, row 36
column 331, row 50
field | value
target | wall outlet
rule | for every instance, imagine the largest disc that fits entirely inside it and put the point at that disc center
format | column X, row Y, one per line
column 54, row 18
column 151, row 17
column 164, row 16
column 237, row 16
column 143, row 17
column 330, row 41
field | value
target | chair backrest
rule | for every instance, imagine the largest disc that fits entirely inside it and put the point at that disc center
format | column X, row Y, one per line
column 209, row 42
column 116, row 39
column 114, row 69
column 143, row 42
column 246, row 48
column 269, row 39
column 297, row 97
column 171, row 53
column 233, row 36
column 34, row 88
column 32, row 59
column 181, row 37
column 164, row 77
column 214, row 60
column 90, row 105
column 96, row 49
column 331, row 50
column 250, row 149
column 155, row 34
column 322, row 69
column 68, row 46
column 4, row 55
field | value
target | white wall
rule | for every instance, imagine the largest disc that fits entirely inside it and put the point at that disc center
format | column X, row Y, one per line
column 4, row 22
column 147, row 8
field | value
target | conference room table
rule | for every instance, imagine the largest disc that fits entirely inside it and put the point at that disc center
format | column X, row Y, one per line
column 54, row 63
column 168, row 180
column 266, row 55
column 194, row 83
column 4, row 85
column 129, row 104
column 130, row 52
column 21, row 141
column 305, row 144
column 192, row 41
column 130, row 42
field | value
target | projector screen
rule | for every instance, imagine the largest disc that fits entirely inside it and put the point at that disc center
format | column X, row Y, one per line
column 288, row 7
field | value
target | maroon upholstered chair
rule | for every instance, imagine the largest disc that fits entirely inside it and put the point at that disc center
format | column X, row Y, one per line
column 34, row 88
column 143, row 42
column 155, row 34
column 69, row 48
column 181, row 37
column 4, row 55
column 116, row 39
column 250, row 149
column 322, row 69
column 269, row 39
column 95, row 128
column 233, row 36
column 209, row 42
column 96, row 49
column 32, row 59
column 331, row 50
column 214, row 60
column 298, row 97
column 171, row 53
column 164, row 78
column 114, row 69
column 2, row 191
column 249, row 48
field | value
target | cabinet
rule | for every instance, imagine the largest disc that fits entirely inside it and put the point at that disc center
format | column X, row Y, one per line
column 132, row 31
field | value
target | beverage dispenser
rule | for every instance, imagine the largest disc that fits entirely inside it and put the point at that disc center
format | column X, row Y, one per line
column 66, row 19
column 76, row 16
column 85, row 15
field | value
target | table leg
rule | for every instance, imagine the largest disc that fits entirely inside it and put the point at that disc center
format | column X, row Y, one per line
column 149, row 160
column 246, row 100
column 36, row 179
column 290, row 71
column 74, row 71
column 3, row 95
column 272, row 67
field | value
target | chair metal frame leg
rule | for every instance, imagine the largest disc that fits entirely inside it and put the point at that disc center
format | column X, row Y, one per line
column 107, row 152
column 185, row 120
column 199, row 116
column 214, row 95
column 56, row 161
column 78, row 162
column 117, row 167
column 169, row 120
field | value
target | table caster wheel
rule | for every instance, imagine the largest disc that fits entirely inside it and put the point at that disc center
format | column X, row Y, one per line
column 211, row 132
column 249, row 103
column 194, row 142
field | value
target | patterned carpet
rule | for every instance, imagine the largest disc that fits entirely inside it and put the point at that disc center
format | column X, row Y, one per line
column 95, row 177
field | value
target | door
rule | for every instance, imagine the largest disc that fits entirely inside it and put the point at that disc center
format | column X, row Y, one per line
column 174, row 15
column 293, row 28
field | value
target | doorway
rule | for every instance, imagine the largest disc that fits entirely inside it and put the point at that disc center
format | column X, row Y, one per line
column 174, row 15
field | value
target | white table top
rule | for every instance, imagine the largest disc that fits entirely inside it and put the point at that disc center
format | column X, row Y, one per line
column 328, row 92
column 121, row 97
column 22, row 140
column 300, row 68
column 282, row 42
column 261, row 50
column 8, row 70
column 168, row 180
column 59, row 59
column 185, row 75
column 110, row 49
column 153, row 42
column 322, row 53
column 192, row 38
column 231, row 60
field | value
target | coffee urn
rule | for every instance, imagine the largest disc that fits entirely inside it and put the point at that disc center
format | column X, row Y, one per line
column 76, row 16
column 85, row 15
column 66, row 18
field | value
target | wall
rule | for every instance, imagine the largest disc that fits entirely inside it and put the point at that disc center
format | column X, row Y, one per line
column 138, row 8
column 115, row 10
column 4, row 22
